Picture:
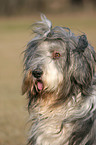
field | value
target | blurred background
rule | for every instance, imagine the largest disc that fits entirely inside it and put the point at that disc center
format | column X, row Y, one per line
column 16, row 17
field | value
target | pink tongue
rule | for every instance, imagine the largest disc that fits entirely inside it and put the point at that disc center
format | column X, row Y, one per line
column 40, row 86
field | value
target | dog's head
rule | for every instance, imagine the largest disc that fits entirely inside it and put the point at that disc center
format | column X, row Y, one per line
column 57, row 61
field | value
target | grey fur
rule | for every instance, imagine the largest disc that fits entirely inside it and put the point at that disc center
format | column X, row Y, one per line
column 60, row 84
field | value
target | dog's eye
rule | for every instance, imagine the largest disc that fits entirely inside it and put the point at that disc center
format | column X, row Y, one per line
column 56, row 55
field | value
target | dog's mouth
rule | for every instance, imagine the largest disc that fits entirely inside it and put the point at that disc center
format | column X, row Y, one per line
column 39, row 86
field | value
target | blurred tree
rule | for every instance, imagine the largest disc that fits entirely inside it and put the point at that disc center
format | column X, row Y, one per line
column 40, row 5
column 20, row 3
column 77, row 2
column 94, row 2
column 8, row 6
column 11, row 7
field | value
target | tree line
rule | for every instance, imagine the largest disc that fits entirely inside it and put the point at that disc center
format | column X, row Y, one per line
column 11, row 7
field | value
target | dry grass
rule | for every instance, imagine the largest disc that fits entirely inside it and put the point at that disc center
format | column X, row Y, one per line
column 14, row 34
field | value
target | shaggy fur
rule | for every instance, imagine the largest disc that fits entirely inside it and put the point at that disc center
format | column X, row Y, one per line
column 60, row 83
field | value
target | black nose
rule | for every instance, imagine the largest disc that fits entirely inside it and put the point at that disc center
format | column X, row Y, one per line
column 37, row 73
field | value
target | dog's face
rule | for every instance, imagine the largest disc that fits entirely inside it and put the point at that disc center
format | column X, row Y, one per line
column 45, row 66
column 58, row 63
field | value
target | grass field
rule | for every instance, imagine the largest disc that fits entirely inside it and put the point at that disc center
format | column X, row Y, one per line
column 14, row 35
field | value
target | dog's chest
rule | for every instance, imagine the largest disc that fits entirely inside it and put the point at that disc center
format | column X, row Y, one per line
column 47, row 127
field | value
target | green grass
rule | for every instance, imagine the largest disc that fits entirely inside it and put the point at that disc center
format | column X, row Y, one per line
column 14, row 35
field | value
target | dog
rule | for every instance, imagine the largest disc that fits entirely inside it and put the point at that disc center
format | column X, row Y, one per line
column 60, row 84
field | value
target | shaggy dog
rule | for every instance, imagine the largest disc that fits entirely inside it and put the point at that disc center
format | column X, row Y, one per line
column 60, row 83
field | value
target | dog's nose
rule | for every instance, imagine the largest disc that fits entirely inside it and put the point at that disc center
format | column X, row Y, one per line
column 37, row 73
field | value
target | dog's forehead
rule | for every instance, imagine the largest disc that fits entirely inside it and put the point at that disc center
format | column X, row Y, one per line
column 52, row 45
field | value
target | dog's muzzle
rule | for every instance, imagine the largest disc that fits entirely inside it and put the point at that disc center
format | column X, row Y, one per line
column 37, row 74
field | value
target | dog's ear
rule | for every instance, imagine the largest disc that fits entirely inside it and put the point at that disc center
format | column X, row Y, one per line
column 82, row 43
column 82, row 76
column 26, row 83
